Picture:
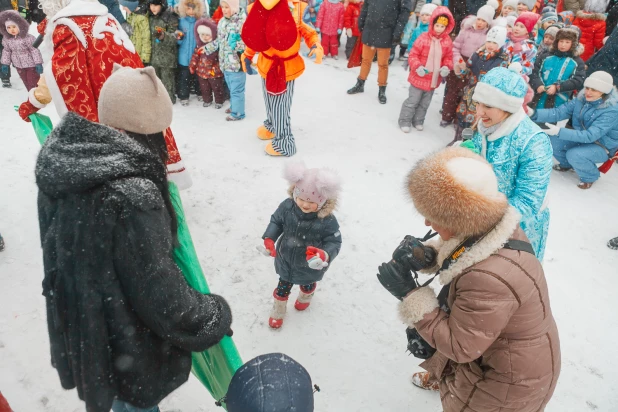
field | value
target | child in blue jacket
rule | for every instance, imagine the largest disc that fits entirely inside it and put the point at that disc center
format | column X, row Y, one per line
column 421, row 27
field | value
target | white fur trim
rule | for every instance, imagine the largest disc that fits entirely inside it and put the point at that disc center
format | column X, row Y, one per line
column 475, row 174
column 54, row 91
column 328, row 183
column 294, row 171
column 416, row 305
column 77, row 31
column 492, row 242
column 32, row 99
column 121, row 38
column 181, row 177
column 495, row 97
column 81, row 8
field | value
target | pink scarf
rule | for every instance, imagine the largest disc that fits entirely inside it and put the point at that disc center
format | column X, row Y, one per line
column 433, row 60
column 517, row 42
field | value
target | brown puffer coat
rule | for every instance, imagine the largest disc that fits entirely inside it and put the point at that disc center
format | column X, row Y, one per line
column 498, row 349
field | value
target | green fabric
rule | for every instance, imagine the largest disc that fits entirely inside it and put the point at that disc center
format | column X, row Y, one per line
column 141, row 35
column 164, row 52
column 469, row 145
column 216, row 366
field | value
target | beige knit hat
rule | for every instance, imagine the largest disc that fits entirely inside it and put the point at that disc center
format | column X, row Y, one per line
column 458, row 190
column 135, row 100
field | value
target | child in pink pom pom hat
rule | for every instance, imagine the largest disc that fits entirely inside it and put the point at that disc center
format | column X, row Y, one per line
column 306, row 234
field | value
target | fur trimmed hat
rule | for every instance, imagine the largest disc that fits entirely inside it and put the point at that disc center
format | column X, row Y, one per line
column 497, row 35
column 501, row 88
column 312, row 185
column 142, row 91
column 601, row 81
column 528, row 19
column 458, row 190
column 552, row 31
column 486, row 13
column 428, row 8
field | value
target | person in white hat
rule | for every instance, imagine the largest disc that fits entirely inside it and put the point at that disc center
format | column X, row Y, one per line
column 594, row 136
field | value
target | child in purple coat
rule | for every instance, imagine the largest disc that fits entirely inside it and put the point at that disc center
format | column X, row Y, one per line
column 18, row 50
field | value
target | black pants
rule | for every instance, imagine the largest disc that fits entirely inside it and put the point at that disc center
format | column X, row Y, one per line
column 186, row 83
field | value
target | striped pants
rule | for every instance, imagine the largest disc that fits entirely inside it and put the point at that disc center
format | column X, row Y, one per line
column 278, row 118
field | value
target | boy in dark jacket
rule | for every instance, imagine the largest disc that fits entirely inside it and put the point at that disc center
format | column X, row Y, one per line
column 164, row 57
column 308, row 236
column 121, row 317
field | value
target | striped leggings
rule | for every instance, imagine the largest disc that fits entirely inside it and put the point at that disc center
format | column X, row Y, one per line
column 278, row 118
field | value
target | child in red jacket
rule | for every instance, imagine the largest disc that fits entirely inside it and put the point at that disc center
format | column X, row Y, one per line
column 330, row 24
column 591, row 22
column 430, row 58
column 350, row 23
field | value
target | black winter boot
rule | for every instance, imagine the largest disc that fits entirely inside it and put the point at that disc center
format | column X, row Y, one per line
column 6, row 83
column 382, row 95
column 358, row 88
column 613, row 243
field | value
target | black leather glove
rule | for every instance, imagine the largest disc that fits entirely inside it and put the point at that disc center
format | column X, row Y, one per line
column 418, row 346
column 413, row 255
column 396, row 279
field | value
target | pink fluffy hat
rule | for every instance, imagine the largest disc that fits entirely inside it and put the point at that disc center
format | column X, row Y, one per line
column 312, row 185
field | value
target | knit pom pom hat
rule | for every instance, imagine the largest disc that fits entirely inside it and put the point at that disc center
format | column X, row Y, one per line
column 428, row 8
column 528, row 19
column 497, row 35
column 486, row 13
column 549, row 16
column 140, row 90
column 457, row 190
column 312, row 185
column 501, row 88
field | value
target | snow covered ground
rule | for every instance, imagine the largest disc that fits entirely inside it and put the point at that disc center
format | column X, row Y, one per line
column 350, row 339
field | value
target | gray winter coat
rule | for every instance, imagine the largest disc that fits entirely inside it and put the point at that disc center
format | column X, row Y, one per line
column 382, row 21
column 121, row 318
column 298, row 230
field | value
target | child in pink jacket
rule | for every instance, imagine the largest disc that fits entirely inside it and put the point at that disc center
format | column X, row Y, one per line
column 17, row 49
column 330, row 24
column 430, row 58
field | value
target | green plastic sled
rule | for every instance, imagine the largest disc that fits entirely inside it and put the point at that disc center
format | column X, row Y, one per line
column 213, row 367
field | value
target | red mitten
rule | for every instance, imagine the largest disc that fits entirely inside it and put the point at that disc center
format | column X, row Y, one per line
column 269, row 244
column 42, row 26
column 26, row 109
column 316, row 258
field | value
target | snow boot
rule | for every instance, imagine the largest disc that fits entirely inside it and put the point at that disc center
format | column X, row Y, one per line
column 422, row 380
column 445, row 123
column 264, row 134
column 207, row 104
column 358, row 88
column 304, row 299
column 2, row 244
column 278, row 311
column 382, row 95
column 458, row 136
column 6, row 83
column 184, row 102
column 612, row 244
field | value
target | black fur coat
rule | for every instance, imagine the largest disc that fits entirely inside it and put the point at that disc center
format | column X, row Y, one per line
column 122, row 320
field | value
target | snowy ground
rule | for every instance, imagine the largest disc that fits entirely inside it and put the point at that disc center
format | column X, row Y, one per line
column 350, row 339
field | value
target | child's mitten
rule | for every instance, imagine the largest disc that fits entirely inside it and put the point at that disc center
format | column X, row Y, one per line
column 421, row 71
column 232, row 40
column 39, row 68
column 269, row 245
column 338, row 31
column 444, row 71
column 317, row 259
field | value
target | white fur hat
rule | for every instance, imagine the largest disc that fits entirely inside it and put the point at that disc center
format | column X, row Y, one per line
column 497, row 35
column 204, row 30
column 428, row 8
column 486, row 13
column 601, row 81
column 458, row 190
column 312, row 185
column 494, row 4
column 510, row 3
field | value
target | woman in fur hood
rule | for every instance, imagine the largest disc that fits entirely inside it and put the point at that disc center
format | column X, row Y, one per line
column 307, row 236
column 591, row 22
column 496, row 341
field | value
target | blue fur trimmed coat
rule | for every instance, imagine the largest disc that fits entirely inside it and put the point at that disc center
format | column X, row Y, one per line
column 521, row 155
column 295, row 231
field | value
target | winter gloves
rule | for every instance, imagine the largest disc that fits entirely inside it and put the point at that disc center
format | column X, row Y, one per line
column 444, row 71
column 348, row 32
column 317, row 51
column 317, row 259
column 232, row 40
column 246, row 65
column 39, row 68
column 26, row 109
column 269, row 244
column 552, row 129
column 421, row 71
column 411, row 255
column 338, row 31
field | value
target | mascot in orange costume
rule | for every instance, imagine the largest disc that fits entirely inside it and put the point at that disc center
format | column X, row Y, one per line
column 86, row 42
column 273, row 29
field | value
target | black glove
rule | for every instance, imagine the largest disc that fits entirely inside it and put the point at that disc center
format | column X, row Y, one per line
column 418, row 346
column 396, row 279
column 413, row 255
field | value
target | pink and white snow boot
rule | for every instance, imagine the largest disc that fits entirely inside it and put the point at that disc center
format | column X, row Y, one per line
column 304, row 299
column 278, row 311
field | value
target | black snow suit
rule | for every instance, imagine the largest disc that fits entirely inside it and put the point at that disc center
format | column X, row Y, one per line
column 122, row 320
column 298, row 230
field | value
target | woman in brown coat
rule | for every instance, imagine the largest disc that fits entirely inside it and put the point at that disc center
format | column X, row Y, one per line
column 496, row 340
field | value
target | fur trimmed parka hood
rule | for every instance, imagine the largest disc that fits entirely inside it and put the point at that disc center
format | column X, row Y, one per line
column 205, row 21
column 81, row 155
column 328, row 209
column 568, row 33
column 598, row 7
column 12, row 15
column 591, row 15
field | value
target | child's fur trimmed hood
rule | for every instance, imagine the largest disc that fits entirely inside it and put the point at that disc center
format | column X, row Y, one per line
column 199, row 8
column 329, row 206
column 12, row 15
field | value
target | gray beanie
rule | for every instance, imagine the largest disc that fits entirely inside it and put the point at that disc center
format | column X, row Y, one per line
column 135, row 100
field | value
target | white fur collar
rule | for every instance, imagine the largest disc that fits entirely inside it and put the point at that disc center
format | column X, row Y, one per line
column 508, row 125
column 492, row 242
column 81, row 8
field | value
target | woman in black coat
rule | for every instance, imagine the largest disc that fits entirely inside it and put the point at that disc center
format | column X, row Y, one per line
column 381, row 23
column 606, row 59
column 122, row 320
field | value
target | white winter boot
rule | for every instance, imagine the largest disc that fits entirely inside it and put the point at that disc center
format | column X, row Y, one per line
column 278, row 311
column 304, row 299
